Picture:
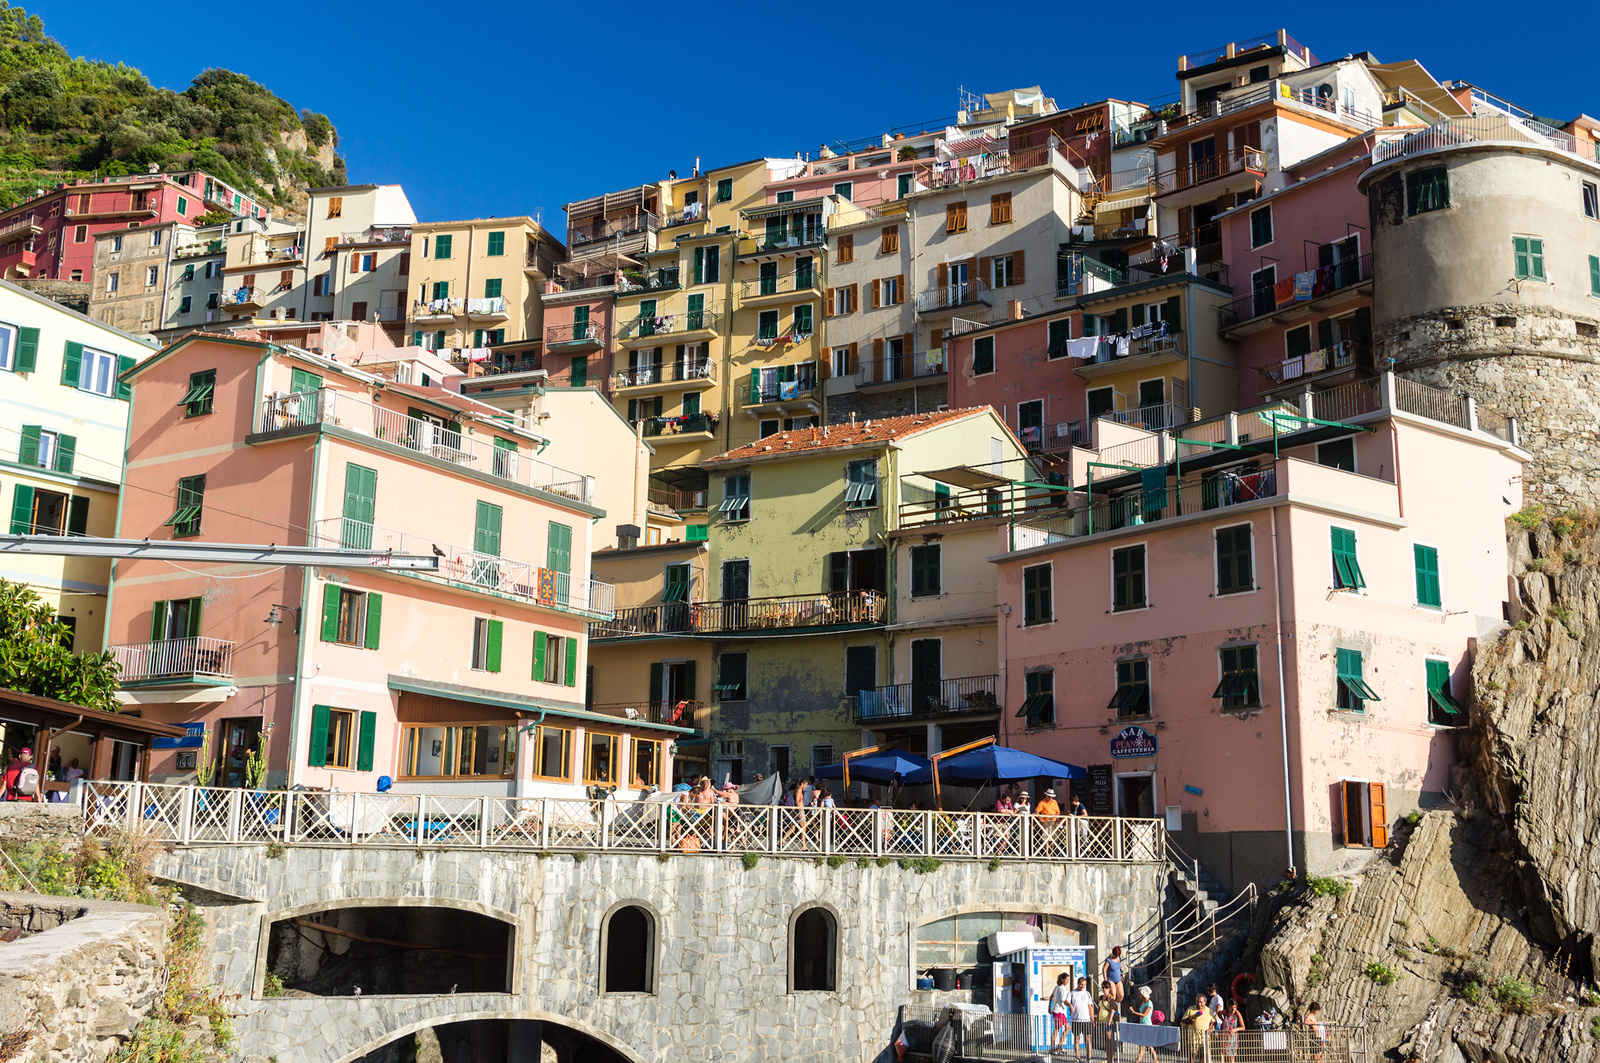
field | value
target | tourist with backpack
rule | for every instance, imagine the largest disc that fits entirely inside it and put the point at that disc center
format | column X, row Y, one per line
column 21, row 780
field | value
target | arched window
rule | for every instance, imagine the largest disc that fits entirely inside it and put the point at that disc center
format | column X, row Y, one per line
column 629, row 952
column 813, row 950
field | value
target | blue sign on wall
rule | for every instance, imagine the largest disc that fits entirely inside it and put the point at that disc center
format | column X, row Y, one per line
column 192, row 740
column 1133, row 741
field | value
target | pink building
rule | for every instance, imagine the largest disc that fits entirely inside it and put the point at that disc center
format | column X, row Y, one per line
column 470, row 679
column 1316, row 330
column 1284, row 623
column 52, row 235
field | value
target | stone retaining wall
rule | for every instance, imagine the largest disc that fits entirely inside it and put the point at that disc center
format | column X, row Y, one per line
column 75, row 990
column 32, row 820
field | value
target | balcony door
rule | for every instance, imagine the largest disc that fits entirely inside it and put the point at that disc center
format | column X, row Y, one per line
column 1030, row 420
column 1153, row 396
column 926, row 674
column 697, row 311
column 958, row 284
column 360, row 506
column 736, row 594
column 1203, row 160
column 1340, row 262
column 769, row 278
column 675, row 584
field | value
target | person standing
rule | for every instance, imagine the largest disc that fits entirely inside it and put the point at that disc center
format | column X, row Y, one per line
column 1082, row 1005
column 1214, row 1001
column 1317, row 1035
column 1047, row 807
column 1196, row 1023
column 1106, row 1015
column 1060, row 1012
column 1142, row 1009
column 19, row 774
column 1111, row 972
column 1232, row 1022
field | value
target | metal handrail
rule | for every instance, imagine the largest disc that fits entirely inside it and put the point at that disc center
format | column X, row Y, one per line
column 1333, row 277
column 171, row 658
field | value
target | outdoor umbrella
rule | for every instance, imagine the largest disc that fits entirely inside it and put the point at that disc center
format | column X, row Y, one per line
column 996, row 764
column 888, row 766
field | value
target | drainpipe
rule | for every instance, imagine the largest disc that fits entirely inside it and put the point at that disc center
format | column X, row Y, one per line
column 1283, row 709
column 1191, row 333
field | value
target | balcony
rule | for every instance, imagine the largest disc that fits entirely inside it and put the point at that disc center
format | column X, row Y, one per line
column 199, row 661
column 699, row 372
column 1295, row 296
column 562, row 283
column 693, row 427
column 687, row 214
column 1510, row 129
column 780, row 288
column 927, row 698
column 198, row 249
column 632, row 281
column 466, row 568
column 29, row 226
column 953, row 173
column 378, row 234
column 574, row 336
column 948, row 298
column 980, row 503
column 781, row 241
column 906, row 370
column 650, row 331
column 767, row 392
column 286, row 412
column 1194, row 495
column 639, row 221
column 674, row 713
column 1088, row 275
column 488, row 310
column 440, row 310
column 246, row 297
column 1157, row 417
column 1139, row 352
column 786, row 612
column 1246, row 160
column 1262, row 44
column 678, row 500
column 1318, row 366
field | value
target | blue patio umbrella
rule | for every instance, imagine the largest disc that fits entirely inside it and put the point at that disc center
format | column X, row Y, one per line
column 888, row 766
column 996, row 764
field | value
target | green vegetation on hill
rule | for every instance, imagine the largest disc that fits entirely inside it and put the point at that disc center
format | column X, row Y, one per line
column 64, row 117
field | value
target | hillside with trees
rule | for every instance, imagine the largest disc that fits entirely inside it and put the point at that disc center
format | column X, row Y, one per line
column 67, row 117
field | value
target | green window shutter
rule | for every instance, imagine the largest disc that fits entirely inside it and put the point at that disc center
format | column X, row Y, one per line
column 416, row 337
column 755, row 386
column 369, row 738
column 193, row 630
column 1348, row 664
column 1519, row 247
column 330, row 612
column 1536, row 254
column 657, row 683
column 486, row 535
column 1439, row 689
column 541, row 642
column 304, row 383
column 124, row 389
column 66, row 453
column 1427, row 565
column 27, row 350
column 374, row 619
column 158, row 621
column 22, row 510
column 491, row 288
column 28, row 453
column 496, row 634
column 699, row 265
column 1594, row 274
column 497, row 244
column 580, row 372
column 78, row 516
column 317, row 751
column 558, row 552
column 441, row 246
column 572, row 661
column 72, row 364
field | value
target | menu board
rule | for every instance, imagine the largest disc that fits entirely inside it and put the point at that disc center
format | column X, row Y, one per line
column 1099, row 796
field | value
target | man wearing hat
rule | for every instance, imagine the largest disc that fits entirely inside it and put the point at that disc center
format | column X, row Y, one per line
column 1047, row 805
column 10, row 782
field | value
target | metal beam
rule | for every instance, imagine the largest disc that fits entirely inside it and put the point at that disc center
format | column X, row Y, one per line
column 213, row 553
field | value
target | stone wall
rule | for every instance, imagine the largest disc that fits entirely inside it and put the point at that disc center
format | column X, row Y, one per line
column 30, row 820
column 74, row 295
column 722, row 987
column 1528, row 362
column 923, row 398
column 75, row 990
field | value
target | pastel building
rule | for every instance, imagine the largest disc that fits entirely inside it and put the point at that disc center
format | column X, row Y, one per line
column 476, row 284
column 63, row 419
column 467, row 678
column 1270, row 637
column 358, row 238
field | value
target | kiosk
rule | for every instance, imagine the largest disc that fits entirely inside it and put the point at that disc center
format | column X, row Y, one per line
column 1024, row 976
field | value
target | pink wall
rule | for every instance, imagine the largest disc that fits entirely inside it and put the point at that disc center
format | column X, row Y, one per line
column 558, row 319
column 1023, row 372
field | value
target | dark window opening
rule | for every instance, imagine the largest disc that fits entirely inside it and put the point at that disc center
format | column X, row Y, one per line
column 429, row 951
column 629, row 952
column 812, row 947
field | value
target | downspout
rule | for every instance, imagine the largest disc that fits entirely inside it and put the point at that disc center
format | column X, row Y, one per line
column 1283, row 709
column 1191, row 338
column 303, row 650
column 111, row 570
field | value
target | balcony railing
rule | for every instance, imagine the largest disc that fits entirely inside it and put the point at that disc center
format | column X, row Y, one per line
column 746, row 614
column 954, row 172
column 655, row 280
column 950, row 296
column 672, row 426
column 1306, row 285
column 675, row 713
column 203, row 247
column 1207, row 56
column 437, row 309
column 378, row 234
column 494, row 306
column 783, row 240
column 793, row 282
column 668, row 372
column 1113, row 351
column 928, row 697
column 907, row 368
column 573, row 332
column 1304, row 368
column 1085, row 275
column 672, row 324
column 979, row 504
column 627, row 225
column 193, row 815
column 330, row 407
column 1238, row 160
column 765, row 385
column 1509, row 129
column 677, row 499
column 246, row 297
column 685, row 215
column 1157, row 417
column 185, row 658
column 563, row 283
column 468, row 568
column 1195, row 495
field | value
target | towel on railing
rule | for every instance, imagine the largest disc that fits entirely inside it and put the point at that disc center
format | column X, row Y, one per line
column 1304, row 284
column 1087, row 348
column 1283, row 291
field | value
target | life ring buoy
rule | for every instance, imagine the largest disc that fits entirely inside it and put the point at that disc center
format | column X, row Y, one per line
column 1233, row 987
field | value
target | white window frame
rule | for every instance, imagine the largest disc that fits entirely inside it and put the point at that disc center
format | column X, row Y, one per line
column 1141, row 383
column 1022, row 588
column 47, row 448
column 480, row 643
column 1216, row 589
column 747, row 508
column 107, row 363
column 849, row 190
column 113, row 281
column 1438, row 552
column 1087, row 416
column 889, row 291
column 555, row 659
column 152, row 276
column 1116, row 789
column 761, row 427
column 10, row 335
column 1591, row 200
column 1111, row 563
column 841, row 300
column 997, row 265
column 841, row 356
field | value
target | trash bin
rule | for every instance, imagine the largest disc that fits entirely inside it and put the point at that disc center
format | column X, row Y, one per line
column 944, row 978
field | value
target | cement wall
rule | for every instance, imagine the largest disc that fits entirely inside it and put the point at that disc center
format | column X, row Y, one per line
column 722, row 988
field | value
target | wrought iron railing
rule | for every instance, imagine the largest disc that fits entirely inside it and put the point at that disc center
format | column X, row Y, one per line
column 654, row 280
column 948, row 296
column 978, row 504
column 636, row 222
column 573, row 332
column 929, row 697
column 174, row 659
column 195, row 815
column 1237, row 160
column 677, row 713
column 747, row 614
column 1309, row 284
column 909, row 367
column 673, row 371
column 672, row 324
column 689, row 422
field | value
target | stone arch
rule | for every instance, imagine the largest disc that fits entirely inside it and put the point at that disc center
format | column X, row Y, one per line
column 1095, row 925
column 623, row 1049
column 270, row 916
column 652, row 946
column 802, row 964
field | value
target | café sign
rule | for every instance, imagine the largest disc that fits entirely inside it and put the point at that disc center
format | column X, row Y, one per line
column 1133, row 741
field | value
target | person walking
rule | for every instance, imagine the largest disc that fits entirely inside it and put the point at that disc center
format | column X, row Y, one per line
column 1111, row 972
column 21, row 779
column 1316, row 1033
column 1060, row 1013
column 1082, row 1005
column 1232, row 1022
column 1142, row 1009
column 1106, row 1015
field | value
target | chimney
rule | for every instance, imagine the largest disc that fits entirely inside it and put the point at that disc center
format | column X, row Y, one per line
column 1014, row 310
column 697, row 166
column 627, row 536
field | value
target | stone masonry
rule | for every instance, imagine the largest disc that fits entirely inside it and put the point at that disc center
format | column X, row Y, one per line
column 80, row 979
column 721, row 938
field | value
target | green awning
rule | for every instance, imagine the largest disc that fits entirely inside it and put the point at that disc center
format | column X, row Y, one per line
column 184, row 515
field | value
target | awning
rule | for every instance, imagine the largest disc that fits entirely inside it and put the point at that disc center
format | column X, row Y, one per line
column 966, row 476
column 521, row 704
column 807, row 206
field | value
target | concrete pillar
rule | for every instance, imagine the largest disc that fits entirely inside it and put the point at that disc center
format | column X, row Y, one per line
column 935, row 736
column 1307, row 407
column 1232, row 424
column 1386, row 390
column 1472, row 413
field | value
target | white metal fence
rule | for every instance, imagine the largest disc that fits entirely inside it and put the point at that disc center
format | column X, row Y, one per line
column 166, row 658
column 193, row 815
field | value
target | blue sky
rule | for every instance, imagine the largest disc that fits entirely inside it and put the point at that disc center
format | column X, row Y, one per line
column 575, row 99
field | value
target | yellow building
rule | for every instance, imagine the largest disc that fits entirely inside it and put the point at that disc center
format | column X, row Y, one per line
column 478, row 283
column 63, row 423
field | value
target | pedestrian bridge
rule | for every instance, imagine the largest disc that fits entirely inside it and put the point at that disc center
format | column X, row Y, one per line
column 656, row 929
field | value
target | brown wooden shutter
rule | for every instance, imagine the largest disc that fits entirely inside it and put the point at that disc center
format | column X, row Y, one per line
column 855, row 356
column 826, row 360
column 891, row 239
column 355, row 263
column 899, row 288
column 877, row 362
column 847, row 248
column 1378, row 809
column 908, row 349
column 286, row 278
column 405, row 262
column 936, row 338
column 327, row 245
column 985, row 270
column 1017, row 274
column 962, row 210
column 875, row 296
column 942, row 275
column 855, row 298
column 827, row 306
column 249, row 280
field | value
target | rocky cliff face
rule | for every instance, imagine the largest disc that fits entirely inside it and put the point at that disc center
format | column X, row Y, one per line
column 1473, row 936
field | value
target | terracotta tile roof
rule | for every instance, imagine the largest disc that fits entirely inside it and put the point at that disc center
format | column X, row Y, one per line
column 837, row 436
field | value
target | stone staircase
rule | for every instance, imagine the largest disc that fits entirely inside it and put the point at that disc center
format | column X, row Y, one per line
column 1201, row 933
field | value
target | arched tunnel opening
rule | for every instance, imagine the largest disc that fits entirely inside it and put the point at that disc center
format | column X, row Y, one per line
column 341, row 952
column 495, row 1041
